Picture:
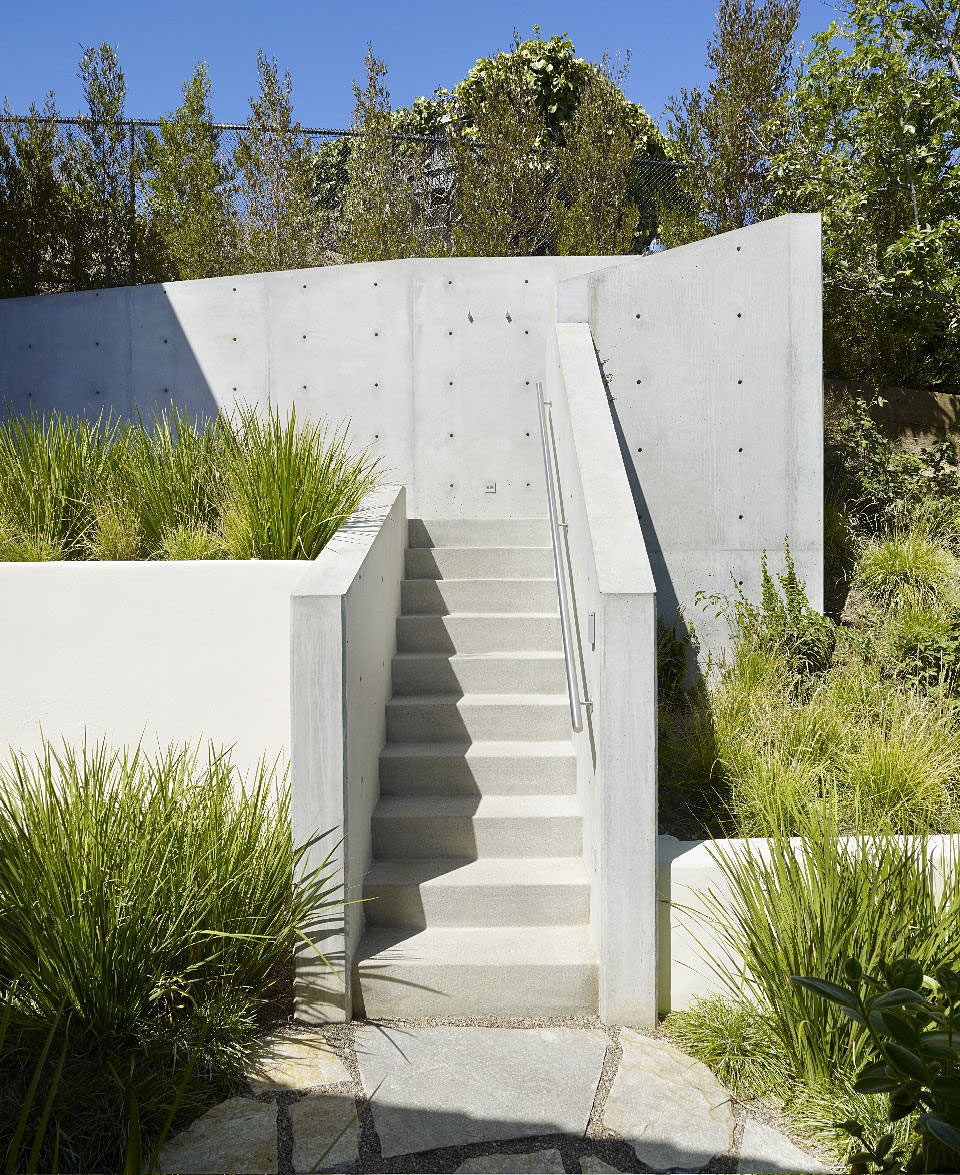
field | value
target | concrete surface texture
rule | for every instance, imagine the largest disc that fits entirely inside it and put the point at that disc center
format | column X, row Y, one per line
column 148, row 652
column 712, row 358
column 342, row 634
column 434, row 362
column 614, row 608
column 538, row 1097
column 477, row 902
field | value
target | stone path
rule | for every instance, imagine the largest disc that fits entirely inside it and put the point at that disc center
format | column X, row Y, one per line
column 550, row 1097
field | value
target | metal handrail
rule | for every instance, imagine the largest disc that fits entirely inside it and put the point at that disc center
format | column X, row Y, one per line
column 573, row 688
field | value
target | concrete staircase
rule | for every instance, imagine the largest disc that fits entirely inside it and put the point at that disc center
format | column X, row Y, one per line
column 479, row 897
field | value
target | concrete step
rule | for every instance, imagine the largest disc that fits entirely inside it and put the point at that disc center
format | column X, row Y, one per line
column 479, row 562
column 475, row 673
column 503, row 971
column 440, row 597
column 493, row 891
column 480, row 768
column 476, row 826
column 479, row 633
column 479, row 532
column 449, row 718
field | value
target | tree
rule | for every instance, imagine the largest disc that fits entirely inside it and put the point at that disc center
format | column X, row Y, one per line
column 380, row 216
column 102, row 164
column 35, row 206
column 873, row 135
column 725, row 135
column 280, row 224
column 189, row 189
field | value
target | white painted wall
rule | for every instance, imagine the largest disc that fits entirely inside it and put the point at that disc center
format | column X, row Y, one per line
column 610, row 577
column 152, row 652
column 342, row 641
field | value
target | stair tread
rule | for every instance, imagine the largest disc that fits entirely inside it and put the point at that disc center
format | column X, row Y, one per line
column 478, row 615
column 482, row 749
column 519, row 655
column 446, row 871
column 496, row 946
column 483, row 807
column 450, row 699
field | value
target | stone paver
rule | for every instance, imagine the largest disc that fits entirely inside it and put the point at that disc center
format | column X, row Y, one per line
column 500, row 1164
column 239, row 1136
column 285, row 1061
column 442, row 1086
column 316, row 1120
column 763, row 1149
column 669, row 1107
column 591, row 1165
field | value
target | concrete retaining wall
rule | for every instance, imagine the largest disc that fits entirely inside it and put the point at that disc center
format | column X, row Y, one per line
column 712, row 358
column 434, row 362
column 693, row 961
column 342, row 641
column 614, row 621
column 151, row 652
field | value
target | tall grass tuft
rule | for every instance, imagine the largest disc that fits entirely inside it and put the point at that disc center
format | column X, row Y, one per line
column 288, row 487
column 147, row 904
column 906, row 564
column 245, row 486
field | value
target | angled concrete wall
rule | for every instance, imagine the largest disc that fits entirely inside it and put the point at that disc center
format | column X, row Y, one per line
column 712, row 359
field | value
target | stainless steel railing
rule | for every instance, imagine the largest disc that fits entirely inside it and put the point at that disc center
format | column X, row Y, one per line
column 573, row 686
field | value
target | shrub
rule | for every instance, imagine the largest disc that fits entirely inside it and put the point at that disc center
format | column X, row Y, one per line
column 147, row 905
column 288, row 487
column 921, row 644
column 912, row 1022
column 905, row 567
column 784, row 621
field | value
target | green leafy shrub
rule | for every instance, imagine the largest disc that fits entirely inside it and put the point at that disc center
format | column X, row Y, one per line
column 147, row 904
column 784, row 621
column 911, row 1022
column 921, row 644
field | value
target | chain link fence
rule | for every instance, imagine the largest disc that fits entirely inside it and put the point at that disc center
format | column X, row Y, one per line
column 425, row 161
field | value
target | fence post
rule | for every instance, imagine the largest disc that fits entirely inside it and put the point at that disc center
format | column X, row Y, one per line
column 132, row 200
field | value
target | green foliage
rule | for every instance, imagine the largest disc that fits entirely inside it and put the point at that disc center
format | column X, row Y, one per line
column 273, row 159
column 380, row 217
column 189, row 189
column 726, row 135
column 147, row 906
column 906, row 569
column 238, row 487
column 870, row 143
column 783, row 622
column 911, row 1021
column 288, row 487
column 735, row 1040
column 921, row 643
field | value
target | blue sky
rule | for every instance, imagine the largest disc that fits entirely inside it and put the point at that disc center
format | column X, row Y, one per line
column 322, row 45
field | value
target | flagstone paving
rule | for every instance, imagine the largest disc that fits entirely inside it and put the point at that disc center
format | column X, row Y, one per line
column 413, row 1097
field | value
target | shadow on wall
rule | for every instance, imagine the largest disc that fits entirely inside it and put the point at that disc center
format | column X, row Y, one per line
column 127, row 349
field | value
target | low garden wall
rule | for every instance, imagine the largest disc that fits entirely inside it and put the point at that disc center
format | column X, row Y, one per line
column 689, row 947
column 151, row 652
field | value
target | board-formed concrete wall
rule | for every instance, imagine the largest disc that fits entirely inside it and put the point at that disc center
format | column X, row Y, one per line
column 434, row 362
column 713, row 364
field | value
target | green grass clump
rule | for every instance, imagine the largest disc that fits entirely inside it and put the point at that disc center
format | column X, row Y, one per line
column 908, row 566
column 147, row 906
column 735, row 1040
column 244, row 486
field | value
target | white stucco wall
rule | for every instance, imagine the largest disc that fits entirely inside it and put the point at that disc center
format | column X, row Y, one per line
column 148, row 652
